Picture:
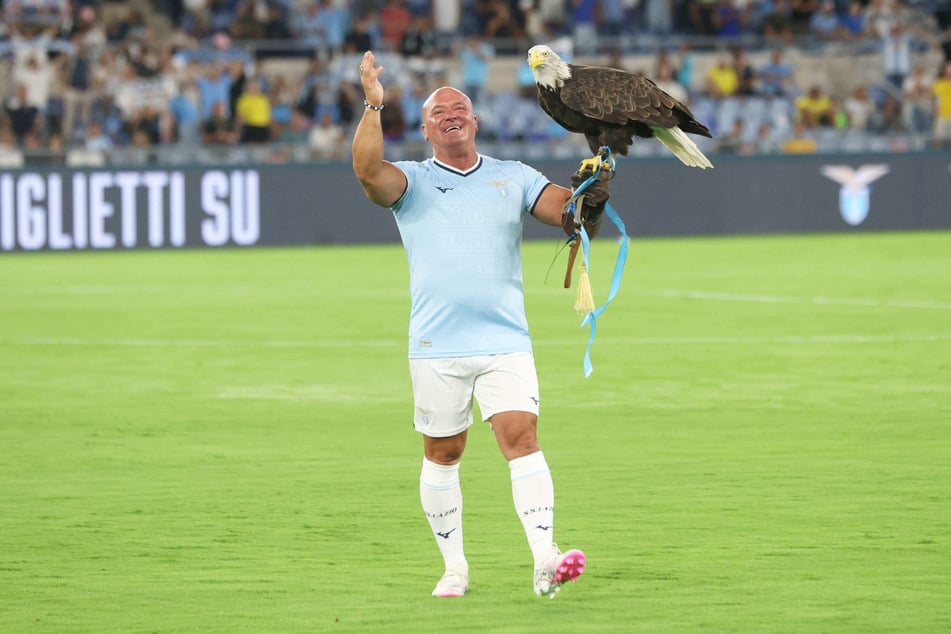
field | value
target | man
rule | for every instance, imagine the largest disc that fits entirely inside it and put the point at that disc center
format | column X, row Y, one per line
column 460, row 217
column 942, row 94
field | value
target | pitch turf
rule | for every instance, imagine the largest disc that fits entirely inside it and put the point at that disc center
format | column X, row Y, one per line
column 219, row 441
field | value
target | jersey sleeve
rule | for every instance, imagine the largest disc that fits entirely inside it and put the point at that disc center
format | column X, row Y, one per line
column 533, row 184
column 411, row 169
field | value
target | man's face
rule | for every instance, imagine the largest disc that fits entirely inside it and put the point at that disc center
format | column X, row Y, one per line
column 448, row 119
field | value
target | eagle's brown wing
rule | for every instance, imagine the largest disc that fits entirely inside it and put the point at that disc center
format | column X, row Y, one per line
column 621, row 98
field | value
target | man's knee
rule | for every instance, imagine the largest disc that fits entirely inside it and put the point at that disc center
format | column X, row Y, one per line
column 516, row 433
column 444, row 450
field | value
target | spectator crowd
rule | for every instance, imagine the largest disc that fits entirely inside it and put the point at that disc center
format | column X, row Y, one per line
column 81, row 79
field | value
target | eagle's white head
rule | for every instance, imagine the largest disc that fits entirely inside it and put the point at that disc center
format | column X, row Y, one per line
column 548, row 69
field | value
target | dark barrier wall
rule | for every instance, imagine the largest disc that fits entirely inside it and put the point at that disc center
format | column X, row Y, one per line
column 322, row 204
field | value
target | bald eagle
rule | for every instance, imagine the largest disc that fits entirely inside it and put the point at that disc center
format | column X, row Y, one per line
column 610, row 107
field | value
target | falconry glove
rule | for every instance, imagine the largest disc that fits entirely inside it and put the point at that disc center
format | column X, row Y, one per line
column 589, row 205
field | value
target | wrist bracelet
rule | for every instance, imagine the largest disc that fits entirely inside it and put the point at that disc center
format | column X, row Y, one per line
column 372, row 107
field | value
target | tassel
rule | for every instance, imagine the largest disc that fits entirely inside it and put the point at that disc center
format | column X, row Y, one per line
column 584, row 302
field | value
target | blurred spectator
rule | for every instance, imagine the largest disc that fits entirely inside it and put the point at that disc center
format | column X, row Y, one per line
column 946, row 43
column 735, row 141
column 96, row 138
column 888, row 116
column 722, row 80
column 446, row 22
column 502, row 27
column 253, row 114
column 700, row 13
column 144, row 125
column 217, row 129
column 336, row 19
column 395, row 20
column 413, row 100
column 880, row 17
column 767, row 142
column 801, row 141
column 319, row 93
column 896, row 55
column 364, row 33
column 237, row 78
column 609, row 15
column 665, row 80
column 10, row 154
column 25, row 119
column 474, row 59
column 281, row 96
column 129, row 23
column 106, row 113
column 659, row 16
column 77, row 90
column 683, row 72
column 197, row 17
column 184, row 115
column 326, row 139
column 859, row 108
column 88, row 31
column 918, row 101
column 776, row 78
column 214, row 87
column 346, row 79
column 308, row 25
column 777, row 24
column 942, row 121
column 853, row 22
column 248, row 21
column 815, row 108
column 276, row 27
column 584, row 28
column 297, row 132
column 729, row 19
column 825, row 24
column 745, row 74
column 419, row 39
column 53, row 114
column 800, row 12
column 392, row 117
column 222, row 14
column 33, row 71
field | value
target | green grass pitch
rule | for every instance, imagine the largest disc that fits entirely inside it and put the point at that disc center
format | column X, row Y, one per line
column 220, row 441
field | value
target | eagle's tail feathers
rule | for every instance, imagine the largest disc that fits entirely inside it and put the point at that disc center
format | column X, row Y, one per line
column 682, row 146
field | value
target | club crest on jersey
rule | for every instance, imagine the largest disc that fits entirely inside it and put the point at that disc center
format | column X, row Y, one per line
column 500, row 185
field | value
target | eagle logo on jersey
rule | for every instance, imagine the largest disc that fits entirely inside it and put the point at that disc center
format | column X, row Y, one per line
column 500, row 185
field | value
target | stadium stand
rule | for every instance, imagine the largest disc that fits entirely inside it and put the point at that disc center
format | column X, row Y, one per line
column 95, row 81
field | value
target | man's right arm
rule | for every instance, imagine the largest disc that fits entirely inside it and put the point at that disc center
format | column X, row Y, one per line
column 383, row 183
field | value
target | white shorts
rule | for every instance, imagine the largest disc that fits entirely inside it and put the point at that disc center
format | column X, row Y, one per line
column 443, row 390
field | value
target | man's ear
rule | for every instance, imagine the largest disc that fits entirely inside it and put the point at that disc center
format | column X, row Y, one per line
column 422, row 128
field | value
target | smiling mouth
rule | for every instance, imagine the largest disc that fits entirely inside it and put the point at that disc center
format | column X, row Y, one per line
column 452, row 128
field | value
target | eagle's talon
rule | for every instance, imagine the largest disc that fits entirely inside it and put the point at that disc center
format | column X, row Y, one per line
column 590, row 164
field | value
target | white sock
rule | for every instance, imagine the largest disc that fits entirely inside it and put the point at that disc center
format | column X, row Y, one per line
column 534, row 497
column 441, row 497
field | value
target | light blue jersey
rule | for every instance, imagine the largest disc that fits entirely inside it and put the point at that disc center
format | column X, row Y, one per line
column 463, row 233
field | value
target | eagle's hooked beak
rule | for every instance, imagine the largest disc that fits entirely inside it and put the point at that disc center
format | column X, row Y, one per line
column 534, row 59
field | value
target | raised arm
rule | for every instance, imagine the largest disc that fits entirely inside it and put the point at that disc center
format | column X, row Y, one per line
column 383, row 183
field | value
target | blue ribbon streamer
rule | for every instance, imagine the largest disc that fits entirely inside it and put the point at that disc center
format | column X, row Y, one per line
column 592, row 317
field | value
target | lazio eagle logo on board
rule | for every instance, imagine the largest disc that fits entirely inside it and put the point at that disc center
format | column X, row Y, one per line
column 855, row 190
